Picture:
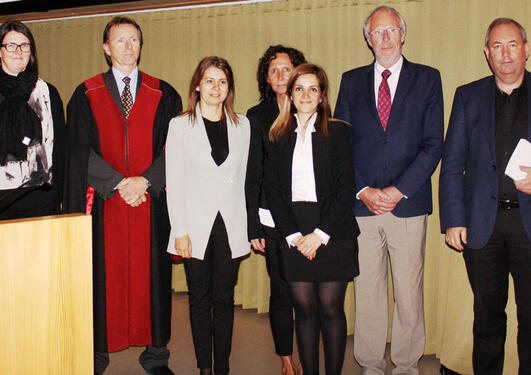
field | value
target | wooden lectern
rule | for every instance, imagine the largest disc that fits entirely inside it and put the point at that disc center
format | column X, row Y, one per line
column 46, row 296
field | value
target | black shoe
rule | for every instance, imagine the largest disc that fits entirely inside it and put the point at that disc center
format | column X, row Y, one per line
column 447, row 371
column 160, row 370
column 205, row 371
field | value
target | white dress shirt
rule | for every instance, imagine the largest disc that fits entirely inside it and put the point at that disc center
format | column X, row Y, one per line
column 302, row 174
column 392, row 81
column 118, row 76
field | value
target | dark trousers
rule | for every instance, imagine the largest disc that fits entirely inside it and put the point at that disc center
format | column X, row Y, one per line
column 211, row 283
column 153, row 356
column 280, row 304
column 507, row 251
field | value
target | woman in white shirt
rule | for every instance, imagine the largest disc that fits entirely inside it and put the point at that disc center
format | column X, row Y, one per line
column 206, row 161
column 311, row 192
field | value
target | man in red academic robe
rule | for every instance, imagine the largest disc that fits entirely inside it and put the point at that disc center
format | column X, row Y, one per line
column 116, row 131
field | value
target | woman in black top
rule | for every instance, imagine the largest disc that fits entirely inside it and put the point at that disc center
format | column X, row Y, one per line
column 31, row 130
column 311, row 191
column 274, row 69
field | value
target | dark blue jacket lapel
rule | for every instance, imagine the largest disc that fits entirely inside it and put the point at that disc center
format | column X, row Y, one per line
column 488, row 115
column 369, row 96
column 405, row 83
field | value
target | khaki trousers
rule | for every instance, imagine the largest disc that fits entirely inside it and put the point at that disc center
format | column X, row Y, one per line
column 403, row 241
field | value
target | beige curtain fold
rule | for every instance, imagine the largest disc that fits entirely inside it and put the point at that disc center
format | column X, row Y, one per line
column 446, row 34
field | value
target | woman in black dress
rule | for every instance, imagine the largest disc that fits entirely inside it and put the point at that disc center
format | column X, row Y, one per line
column 311, row 191
column 274, row 69
column 32, row 130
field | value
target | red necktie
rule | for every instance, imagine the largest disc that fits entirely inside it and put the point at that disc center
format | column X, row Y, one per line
column 384, row 99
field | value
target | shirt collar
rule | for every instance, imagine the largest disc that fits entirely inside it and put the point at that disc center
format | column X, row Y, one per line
column 517, row 92
column 311, row 123
column 395, row 68
column 118, row 76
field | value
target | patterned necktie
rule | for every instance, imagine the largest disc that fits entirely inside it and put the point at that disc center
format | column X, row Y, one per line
column 384, row 99
column 127, row 98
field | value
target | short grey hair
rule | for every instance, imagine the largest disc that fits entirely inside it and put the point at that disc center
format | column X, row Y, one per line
column 385, row 8
column 504, row 21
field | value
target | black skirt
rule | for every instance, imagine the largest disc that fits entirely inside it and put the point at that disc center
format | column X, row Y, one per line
column 337, row 261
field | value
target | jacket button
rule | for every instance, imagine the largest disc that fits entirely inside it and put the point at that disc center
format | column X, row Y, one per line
column 384, row 168
column 493, row 197
column 229, row 180
column 493, row 167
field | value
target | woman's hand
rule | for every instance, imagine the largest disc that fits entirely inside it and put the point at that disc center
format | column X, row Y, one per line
column 183, row 246
column 308, row 245
column 258, row 244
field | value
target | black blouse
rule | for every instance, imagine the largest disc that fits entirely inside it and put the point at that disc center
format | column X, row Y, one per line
column 218, row 138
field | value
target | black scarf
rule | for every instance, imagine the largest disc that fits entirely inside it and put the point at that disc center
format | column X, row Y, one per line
column 17, row 119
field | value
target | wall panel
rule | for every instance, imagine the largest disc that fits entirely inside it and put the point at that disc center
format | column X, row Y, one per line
column 447, row 34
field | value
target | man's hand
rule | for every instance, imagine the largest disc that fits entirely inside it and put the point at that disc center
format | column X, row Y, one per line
column 139, row 201
column 456, row 238
column 395, row 194
column 183, row 246
column 258, row 244
column 524, row 185
column 308, row 245
column 377, row 201
column 133, row 190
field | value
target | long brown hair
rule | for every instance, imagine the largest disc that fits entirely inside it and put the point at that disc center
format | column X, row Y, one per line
column 194, row 96
column 285, row 120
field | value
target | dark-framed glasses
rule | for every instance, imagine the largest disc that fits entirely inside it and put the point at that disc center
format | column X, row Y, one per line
column 12, row 47
column 390, row 31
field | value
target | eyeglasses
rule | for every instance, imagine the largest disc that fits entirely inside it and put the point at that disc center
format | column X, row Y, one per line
column 12, row 47
column 379, row 33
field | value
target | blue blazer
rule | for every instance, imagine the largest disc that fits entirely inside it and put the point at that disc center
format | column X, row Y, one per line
column 468, row 190
column 406, row 154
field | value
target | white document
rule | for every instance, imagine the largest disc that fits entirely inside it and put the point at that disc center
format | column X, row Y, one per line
column 521, row 156
column 266, row 218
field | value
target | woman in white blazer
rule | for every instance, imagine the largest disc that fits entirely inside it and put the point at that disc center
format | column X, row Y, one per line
column 206, row 160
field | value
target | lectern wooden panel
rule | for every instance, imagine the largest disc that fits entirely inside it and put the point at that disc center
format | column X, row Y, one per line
column 46, row 296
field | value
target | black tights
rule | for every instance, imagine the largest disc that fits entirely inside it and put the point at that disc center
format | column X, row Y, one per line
column 319, row 307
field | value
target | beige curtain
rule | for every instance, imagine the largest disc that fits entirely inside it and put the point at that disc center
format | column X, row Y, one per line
column 446, row 34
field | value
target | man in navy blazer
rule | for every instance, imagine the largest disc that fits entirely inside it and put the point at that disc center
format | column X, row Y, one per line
column 395, row 108
column 483, row 211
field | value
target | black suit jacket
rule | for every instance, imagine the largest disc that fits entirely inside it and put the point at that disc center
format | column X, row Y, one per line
column 261, row 118
column 334, row 182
